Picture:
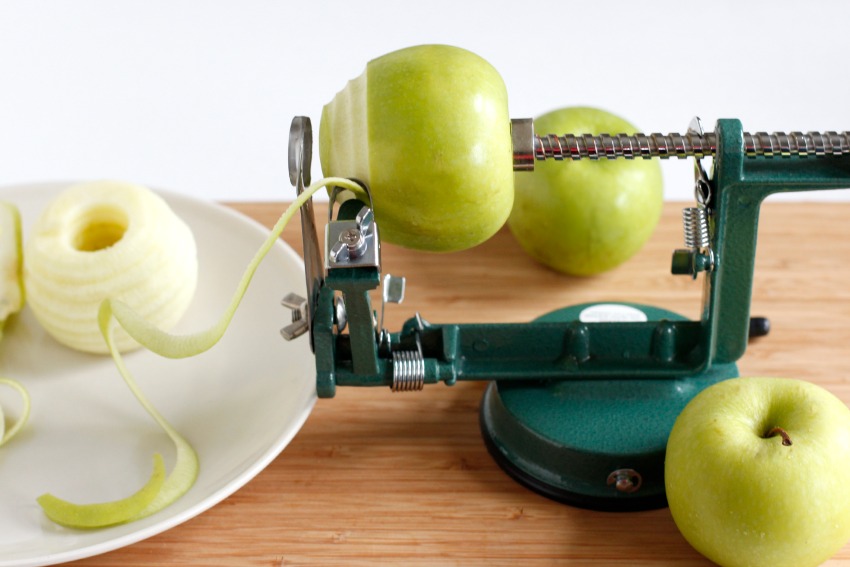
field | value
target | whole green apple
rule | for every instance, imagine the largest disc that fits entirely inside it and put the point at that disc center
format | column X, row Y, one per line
column 588, row 216
column 427, row 129
column 756, row 473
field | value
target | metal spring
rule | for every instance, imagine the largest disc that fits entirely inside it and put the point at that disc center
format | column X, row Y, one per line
column 408, row 371
column 606, row 146
column 695, row 223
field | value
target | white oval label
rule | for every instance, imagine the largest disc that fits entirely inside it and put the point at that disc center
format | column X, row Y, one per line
column 612, row 313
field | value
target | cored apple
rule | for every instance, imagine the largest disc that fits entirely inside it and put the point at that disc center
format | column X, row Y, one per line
column 11, row 263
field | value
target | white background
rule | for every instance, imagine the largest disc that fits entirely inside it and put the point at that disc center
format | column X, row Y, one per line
column 197, row 96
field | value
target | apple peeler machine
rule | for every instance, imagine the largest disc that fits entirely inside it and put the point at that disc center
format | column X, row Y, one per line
column 580, row 401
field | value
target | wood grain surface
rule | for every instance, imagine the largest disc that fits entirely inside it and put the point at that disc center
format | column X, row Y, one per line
column 376, row 478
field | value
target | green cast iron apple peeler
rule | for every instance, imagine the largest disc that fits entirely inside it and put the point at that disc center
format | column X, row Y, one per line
column 580, row 401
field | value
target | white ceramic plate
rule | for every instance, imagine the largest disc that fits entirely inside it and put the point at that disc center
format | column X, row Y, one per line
column 87, row 439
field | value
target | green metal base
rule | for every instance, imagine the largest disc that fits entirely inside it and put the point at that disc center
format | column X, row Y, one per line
column 565, row 439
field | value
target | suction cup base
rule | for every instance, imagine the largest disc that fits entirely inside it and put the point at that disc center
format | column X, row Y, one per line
column 595, row 444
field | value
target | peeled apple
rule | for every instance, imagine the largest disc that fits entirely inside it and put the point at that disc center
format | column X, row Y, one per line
column 427, row 129
column 11, row 301
column 108, row 239
column 11, row 263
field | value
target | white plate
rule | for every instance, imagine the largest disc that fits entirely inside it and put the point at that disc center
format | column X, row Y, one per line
column 239, row 404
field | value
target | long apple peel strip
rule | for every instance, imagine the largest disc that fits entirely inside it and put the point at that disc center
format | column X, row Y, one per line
column 169, row 345
column 106, row 513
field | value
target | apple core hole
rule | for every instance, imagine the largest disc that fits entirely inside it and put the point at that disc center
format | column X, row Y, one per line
column 99, row 228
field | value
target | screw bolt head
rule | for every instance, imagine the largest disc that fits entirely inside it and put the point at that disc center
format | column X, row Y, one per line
column 350, row 246
column 351, row 238
column 625, row 480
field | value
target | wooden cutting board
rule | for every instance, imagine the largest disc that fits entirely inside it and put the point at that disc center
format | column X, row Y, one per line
column 376, row 478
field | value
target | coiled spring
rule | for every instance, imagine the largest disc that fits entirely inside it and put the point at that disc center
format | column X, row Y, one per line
column 408, row 371
column 695, row 222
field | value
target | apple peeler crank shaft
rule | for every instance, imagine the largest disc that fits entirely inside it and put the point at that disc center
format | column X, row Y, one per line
column 530, row 147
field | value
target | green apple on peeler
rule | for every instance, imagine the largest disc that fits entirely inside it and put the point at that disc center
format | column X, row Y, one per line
column 427, row 129
column 756, row 473
column 589, row 216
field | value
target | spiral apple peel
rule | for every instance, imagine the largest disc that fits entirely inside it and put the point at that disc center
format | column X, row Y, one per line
column 146, row 333
column 7, row 434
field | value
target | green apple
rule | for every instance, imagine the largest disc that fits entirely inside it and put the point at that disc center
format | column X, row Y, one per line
column 588, row 216
column 11, row 263
column 427, row 129
column 756, row 473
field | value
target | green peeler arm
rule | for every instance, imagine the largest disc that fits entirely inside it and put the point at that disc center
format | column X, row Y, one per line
column 740, row 185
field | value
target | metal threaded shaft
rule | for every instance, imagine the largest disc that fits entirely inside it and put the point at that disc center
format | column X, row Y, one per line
column 606, row 146
column 797, row 144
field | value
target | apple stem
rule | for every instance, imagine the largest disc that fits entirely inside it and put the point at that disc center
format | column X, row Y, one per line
column 786, row 439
